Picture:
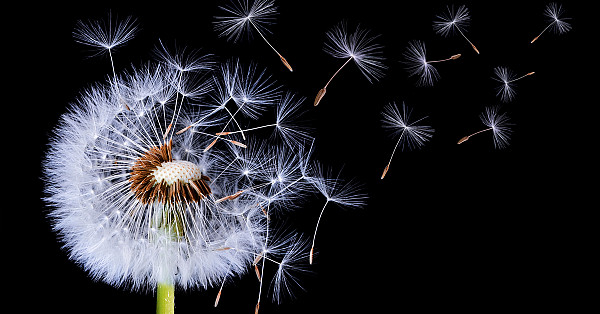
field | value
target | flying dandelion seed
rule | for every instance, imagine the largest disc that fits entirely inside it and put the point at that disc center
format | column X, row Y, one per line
column 411, row 135
column 417, row 64
column 244, row 16
column 499, row 124
column 506, row 91
column 359, row 47
column 553, row 13
column 145, row 207
column 454, row 20
column 106, row 35
column 335, row 190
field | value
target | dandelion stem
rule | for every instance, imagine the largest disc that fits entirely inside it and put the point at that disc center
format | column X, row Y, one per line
column 246, row 130
column 165, row 298
column 538, row 36
column 464, row 139
column 528, row 74
column 323, row 90
column 262, row 268
column 392, row 156
column 280, row 56
column 463, row 35
column 336, row 72
column 454, row 57
column 112, row 65
column 310, row 258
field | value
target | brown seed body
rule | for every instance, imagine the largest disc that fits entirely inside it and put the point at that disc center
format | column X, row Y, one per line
column 320, row 95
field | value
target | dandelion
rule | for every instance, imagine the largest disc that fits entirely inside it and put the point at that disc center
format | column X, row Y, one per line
column 335, row 190
column 142, row 206
column 504, row 75
column 553, row 13
column 498, row 123
column 411, row 135
column 245, row 16
column 359, row 47
column 454, row 20
column 417, row 63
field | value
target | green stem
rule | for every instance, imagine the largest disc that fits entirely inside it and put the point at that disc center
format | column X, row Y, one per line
column 165, row 298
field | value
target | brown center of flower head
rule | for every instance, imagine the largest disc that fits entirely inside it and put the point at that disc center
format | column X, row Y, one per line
column 155, row 176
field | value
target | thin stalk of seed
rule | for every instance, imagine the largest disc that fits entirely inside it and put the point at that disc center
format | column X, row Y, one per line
column 472, row 45
column 112, row 65
column 246, row 130
column 262, row 270
column 323, row 90
column 310, row 257
column 538, row 36
column 528, row 74
column 283, row 60
column 392, row 156
column 466, row 138
column 219, row 294
column 453, row 57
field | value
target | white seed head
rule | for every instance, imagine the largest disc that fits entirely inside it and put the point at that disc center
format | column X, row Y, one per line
column 553, row 13
column 415, row 60
column 359, row 45
column 451, row 20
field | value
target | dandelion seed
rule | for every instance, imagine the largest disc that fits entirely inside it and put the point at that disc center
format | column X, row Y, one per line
column 245, row 16
column 293, row 263
column 411, row 135
column 347, row 194
column 106, row 35
column 454, row 20
column 417, row 64
column 359, row 47
column 497, row 123
column 506, row 91
column 553, row 13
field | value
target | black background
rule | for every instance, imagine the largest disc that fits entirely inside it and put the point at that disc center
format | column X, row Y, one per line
column 452, row 227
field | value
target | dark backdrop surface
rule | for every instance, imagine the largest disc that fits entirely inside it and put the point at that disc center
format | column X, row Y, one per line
column 451, row 228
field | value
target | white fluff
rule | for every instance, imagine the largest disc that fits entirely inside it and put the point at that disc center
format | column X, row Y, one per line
column 112, row 234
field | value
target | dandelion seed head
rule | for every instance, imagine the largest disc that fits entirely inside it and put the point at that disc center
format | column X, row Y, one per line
column 105, row 34
column 240, row 16
column 451, row 20
column 416, row 64
column 505, row 76
column 360, row 46
column 335, row 189
column 412, row 135
column 293, row 263
column 554, row 12
column 500, row 125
